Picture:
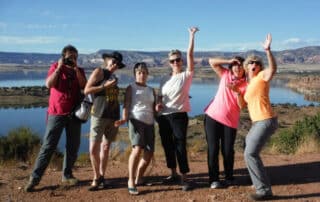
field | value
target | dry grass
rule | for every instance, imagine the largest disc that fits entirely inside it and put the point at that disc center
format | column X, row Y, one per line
column 309, row 145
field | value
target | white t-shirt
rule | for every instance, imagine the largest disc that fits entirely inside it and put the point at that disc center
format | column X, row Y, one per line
column 175, row 92
column 142, row 103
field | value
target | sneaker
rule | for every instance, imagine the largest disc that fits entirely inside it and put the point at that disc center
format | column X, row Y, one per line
column 171, row 179
column 260, row 197
column 186, row 186
column 229, row 182
column 31, row 184
column 216, row 185
column 70, row 180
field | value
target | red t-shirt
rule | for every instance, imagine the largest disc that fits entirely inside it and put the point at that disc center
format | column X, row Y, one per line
column 66, row 94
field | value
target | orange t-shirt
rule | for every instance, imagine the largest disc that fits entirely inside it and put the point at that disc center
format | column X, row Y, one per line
column 257, row 98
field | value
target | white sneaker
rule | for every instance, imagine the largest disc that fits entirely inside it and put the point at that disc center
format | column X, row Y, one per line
column 215, row 185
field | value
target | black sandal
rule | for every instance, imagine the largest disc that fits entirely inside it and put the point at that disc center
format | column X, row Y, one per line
column 96, row 183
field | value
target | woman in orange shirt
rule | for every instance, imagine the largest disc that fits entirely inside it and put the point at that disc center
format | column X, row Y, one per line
column 264, row 121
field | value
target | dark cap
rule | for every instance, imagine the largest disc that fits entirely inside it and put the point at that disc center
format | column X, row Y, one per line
column 117, row 56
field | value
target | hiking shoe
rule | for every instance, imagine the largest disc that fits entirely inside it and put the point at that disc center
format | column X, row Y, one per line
column 171, row 179
column 31, row 184
column 216, row 185
column 70, row 180
column 260, row 197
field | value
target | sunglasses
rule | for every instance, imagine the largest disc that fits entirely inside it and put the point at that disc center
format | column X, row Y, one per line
column 175, row 60
column 254, row 62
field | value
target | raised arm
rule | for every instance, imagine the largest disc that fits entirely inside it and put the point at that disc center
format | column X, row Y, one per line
column 190, row 59
column 217, row 64
column 272, row 68
column 53, row 78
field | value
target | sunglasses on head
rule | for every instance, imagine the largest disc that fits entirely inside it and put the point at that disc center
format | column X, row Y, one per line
column 175, row 60
column 254, row 62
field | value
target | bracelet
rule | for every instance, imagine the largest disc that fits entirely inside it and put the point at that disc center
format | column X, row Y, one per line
column 267, row 49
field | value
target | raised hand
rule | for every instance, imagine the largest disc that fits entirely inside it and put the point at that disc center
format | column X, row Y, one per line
column 267, row 43
column 193, row 30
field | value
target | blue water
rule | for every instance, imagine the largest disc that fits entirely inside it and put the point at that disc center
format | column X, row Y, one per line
column 201, row 94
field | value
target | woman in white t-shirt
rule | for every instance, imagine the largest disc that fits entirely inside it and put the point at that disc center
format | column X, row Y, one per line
column 173, row 105
column 139, row 111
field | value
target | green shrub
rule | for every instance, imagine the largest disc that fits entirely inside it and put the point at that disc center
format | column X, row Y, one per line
column 18, row 144
column 288, row 140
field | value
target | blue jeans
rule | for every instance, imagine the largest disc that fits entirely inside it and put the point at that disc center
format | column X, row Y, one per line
column 55, row 126
column 258, row 135
column 173, row 133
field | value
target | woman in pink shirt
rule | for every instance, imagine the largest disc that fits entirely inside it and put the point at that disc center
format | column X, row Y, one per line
column 222, row 117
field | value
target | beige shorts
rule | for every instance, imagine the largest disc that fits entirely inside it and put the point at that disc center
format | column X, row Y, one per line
column 102, row 128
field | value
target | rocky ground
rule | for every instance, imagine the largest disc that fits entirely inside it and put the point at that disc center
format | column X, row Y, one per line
column 294, row 178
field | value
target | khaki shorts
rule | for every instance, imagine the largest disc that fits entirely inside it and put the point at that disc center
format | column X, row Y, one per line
column 102, row 128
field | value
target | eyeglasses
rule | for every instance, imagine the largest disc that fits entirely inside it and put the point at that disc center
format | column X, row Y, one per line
column 254, row 62
column 175, row 60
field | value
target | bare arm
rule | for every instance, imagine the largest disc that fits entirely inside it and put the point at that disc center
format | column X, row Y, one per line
column 81, row 78
column 216, row 64
column 190, row 59
column 271, row 70
column 95, row 77
column 241, row 103
column 52, row 80
column 126, row 107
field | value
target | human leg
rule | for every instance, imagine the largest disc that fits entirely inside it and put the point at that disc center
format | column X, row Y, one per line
column 213, row 130
column 96, row 132
column 258, row 135
column 73, row 136
column 179, row 124
column 227, row 145
column 167, row 141
column 132, row 168
column 142, row 166
column 51, row 138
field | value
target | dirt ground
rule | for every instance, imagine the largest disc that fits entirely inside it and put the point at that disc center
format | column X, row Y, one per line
column 294, row 178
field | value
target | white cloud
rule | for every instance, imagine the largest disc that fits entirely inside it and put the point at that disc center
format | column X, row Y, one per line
column 46, row 26
column 17, row 40
column 293, row 43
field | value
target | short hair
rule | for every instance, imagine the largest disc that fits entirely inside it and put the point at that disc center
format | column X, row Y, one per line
column 239, row 58
column 253, row 58
column 174, row 52
column 68, row 48
column 138, row 66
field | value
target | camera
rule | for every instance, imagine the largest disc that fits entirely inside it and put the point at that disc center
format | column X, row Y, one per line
column 112, row 76
column 68, row 61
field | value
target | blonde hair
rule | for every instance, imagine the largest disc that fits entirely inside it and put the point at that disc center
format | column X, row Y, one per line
column 174, row 52
column 253, row 58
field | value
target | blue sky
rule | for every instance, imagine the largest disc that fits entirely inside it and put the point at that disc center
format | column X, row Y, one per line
column 239, row 25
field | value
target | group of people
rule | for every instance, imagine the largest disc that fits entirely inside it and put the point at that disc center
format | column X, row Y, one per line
column 243, row 83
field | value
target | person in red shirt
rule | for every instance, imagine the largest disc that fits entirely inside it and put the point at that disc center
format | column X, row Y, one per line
column 65, row 81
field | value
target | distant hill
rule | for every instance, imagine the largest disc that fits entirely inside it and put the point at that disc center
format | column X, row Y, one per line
column 306, row 55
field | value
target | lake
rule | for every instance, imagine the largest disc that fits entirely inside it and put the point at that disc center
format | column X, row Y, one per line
column 201, row 94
